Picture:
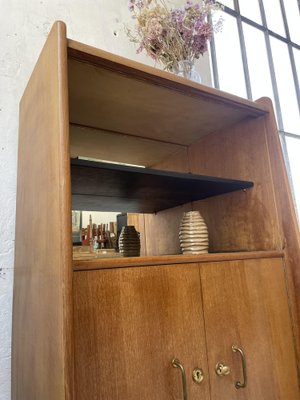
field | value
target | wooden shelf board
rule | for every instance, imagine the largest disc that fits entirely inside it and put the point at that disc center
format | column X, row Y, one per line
column 121, row 262
column 99, row 186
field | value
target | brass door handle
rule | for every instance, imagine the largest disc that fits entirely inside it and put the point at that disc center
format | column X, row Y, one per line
column 238, row 384
column 177, row 364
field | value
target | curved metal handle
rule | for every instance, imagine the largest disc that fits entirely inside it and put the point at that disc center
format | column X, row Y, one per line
column 177, row 364
column 238, row 384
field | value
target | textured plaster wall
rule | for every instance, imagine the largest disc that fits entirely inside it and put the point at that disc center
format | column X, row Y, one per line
column 24, row 25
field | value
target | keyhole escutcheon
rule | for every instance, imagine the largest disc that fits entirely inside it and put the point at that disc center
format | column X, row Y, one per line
column 198, row 375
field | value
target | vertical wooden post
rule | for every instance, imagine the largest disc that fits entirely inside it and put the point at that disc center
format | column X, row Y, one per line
column 42, row 310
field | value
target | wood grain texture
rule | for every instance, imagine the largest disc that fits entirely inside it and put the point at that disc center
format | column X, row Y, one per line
column 138, row 320
column 111, row 97
column 245, row 220
column 103, row 263
column 94, row 56
column 164, row 226
column 177, row 162
column 240, row 221
column 118, row 147
column 289, row 227
column 245, row 304
column 162, row 231
column 42, row 308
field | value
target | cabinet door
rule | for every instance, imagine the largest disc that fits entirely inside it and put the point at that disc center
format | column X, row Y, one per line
column 129, row 325
column 245, row 304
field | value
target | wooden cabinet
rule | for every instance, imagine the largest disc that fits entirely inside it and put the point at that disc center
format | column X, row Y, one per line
column 246, row 304
column 108, row 329
column 138, row 319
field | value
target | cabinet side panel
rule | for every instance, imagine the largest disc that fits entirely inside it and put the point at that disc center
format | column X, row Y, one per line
column 287, row 218
column 41, row 353
column 244, row 220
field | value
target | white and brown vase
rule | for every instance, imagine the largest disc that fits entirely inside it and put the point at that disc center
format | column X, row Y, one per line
column 193, row 233
column 129, row 242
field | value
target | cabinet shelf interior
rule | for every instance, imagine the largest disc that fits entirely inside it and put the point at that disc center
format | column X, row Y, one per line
column 100, row 186
column 141, row 115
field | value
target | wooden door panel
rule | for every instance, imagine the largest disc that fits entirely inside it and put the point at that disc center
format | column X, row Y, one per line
column 245, row 304
column 129, row 324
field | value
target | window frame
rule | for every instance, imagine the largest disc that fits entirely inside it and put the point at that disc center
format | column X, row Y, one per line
column 240, row 19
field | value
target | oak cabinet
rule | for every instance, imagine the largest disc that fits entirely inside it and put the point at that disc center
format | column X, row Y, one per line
column 131, row 323
column 109, row 328
column 138, row 320
column 246, row 304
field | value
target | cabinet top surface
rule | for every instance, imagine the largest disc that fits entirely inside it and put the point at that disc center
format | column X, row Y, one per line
column 121, row 262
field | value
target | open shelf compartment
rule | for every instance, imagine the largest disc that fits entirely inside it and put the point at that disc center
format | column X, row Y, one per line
column 127, row 111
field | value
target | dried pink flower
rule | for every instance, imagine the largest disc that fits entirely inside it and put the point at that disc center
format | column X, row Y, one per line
column 173, row 35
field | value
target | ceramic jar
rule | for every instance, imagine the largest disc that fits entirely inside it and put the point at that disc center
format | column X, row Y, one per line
column 129, row 242
column 193, row 233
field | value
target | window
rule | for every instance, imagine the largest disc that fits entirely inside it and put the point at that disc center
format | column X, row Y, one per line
column 268, row 31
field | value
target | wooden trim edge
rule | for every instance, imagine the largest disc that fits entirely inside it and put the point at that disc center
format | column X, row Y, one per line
column 66, row 222
column 98, row 263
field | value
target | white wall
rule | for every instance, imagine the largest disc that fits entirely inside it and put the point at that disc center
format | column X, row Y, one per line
column 23, row 30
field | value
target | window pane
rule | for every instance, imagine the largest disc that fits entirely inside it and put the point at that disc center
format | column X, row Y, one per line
column 297, row 62
column 286, row 87
column 230, row 67
column 293, row 17
column 293, row 146
column 250, row 9
column 228, row 3
column 260, row 79
column 274, row 16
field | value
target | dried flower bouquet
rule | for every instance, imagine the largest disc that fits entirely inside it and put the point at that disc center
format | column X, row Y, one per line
column 170, row 35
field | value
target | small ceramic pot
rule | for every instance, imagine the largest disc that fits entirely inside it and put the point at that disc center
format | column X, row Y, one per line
column 129, row 242
column 193, row 233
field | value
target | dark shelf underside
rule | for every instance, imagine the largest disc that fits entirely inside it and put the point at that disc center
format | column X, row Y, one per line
column 98, row 186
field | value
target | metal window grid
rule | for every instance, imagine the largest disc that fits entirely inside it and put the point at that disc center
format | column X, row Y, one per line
column 267, row 34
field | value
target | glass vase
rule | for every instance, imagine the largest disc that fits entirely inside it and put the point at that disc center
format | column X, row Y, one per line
column 186, row 69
